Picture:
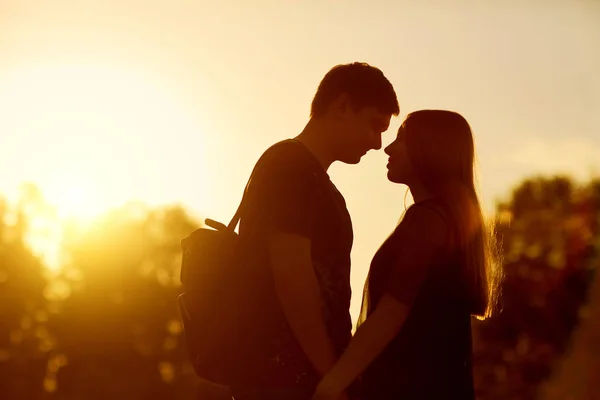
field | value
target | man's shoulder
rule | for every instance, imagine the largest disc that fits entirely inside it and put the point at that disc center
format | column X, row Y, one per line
column 287, row 154
column 285, row 148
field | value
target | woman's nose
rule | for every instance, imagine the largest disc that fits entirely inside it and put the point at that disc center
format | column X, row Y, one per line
column 387, row 149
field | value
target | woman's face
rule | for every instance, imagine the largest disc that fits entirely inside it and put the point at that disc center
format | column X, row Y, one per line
column 399, row 166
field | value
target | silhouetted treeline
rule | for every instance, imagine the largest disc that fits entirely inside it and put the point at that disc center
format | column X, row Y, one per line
column 107, row 325
column 550, row 232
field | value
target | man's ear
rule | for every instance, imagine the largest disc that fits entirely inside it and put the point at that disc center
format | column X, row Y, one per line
column 341, row 105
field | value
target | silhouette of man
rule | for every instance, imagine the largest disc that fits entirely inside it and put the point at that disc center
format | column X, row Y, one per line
column 300, row 230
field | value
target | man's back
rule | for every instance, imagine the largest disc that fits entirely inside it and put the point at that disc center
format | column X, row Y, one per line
column 291, row 194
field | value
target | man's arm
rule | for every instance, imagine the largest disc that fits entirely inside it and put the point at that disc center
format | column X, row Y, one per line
column 298, row 291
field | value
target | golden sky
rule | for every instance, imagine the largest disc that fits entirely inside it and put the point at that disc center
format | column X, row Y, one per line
column 173, row 101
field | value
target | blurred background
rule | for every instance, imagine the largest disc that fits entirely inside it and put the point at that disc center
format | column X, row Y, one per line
column 124, row 123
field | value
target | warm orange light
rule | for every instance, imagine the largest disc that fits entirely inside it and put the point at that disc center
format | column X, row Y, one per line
column 74, row 198
column 83, row 132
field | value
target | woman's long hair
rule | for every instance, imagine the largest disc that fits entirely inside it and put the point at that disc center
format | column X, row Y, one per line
column 441, row 150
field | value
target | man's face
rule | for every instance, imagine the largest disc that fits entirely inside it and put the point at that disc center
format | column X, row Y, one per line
column 360, row 132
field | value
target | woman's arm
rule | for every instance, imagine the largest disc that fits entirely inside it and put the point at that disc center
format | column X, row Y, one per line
column 368, row 342
column 425, row 242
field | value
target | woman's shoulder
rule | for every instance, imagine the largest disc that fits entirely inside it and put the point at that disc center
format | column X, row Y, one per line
column 426, row 220
column 431, row 208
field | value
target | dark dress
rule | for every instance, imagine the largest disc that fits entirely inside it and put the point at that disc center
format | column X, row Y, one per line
column 430, row 358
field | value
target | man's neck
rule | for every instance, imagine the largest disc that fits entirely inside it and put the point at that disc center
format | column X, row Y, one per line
column 316, row 138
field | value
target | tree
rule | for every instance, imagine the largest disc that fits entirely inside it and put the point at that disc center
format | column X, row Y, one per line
column 578, row 374
column 107, row 324
column 120, row 330
column 25, row 341
column 548, row 229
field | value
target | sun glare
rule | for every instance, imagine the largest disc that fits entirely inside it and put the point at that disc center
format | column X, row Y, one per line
column 73, row 199
column 88, row 135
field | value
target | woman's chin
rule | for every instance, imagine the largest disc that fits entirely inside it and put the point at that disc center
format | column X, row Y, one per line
column 392, row 178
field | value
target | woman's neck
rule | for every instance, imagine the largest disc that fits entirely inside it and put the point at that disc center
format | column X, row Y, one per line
column 419, row 193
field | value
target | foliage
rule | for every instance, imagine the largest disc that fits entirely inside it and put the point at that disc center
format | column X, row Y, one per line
column 549, row 229
column 107, row 326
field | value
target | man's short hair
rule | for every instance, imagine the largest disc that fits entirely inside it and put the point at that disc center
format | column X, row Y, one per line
column 364, row 84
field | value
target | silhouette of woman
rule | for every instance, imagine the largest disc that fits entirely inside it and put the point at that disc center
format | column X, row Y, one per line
column 429, row 277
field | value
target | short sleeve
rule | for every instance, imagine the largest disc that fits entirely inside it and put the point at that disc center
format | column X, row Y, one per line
column 288, row 190
column 422, row 242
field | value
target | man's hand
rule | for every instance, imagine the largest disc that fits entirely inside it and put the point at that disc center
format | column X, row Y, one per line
column 298, row 291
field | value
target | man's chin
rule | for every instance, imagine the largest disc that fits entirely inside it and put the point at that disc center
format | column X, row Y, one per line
column 351, row 160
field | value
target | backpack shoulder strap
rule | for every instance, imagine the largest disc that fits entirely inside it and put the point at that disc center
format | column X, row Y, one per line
column 244, row 203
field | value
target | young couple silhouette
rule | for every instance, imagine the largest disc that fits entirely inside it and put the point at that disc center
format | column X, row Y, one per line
column 429, row 277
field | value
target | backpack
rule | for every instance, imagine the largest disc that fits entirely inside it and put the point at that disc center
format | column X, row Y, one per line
column 215, row 302
column 220, row 311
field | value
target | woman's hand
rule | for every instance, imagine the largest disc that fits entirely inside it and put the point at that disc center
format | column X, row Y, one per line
column 329, row 390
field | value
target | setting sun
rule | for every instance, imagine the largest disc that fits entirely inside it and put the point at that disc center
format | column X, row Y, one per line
column 74, row 199
column 89, row 131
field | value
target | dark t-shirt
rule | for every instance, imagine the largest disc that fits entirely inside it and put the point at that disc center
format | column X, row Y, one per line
column 292, row 193
column 430, row 358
